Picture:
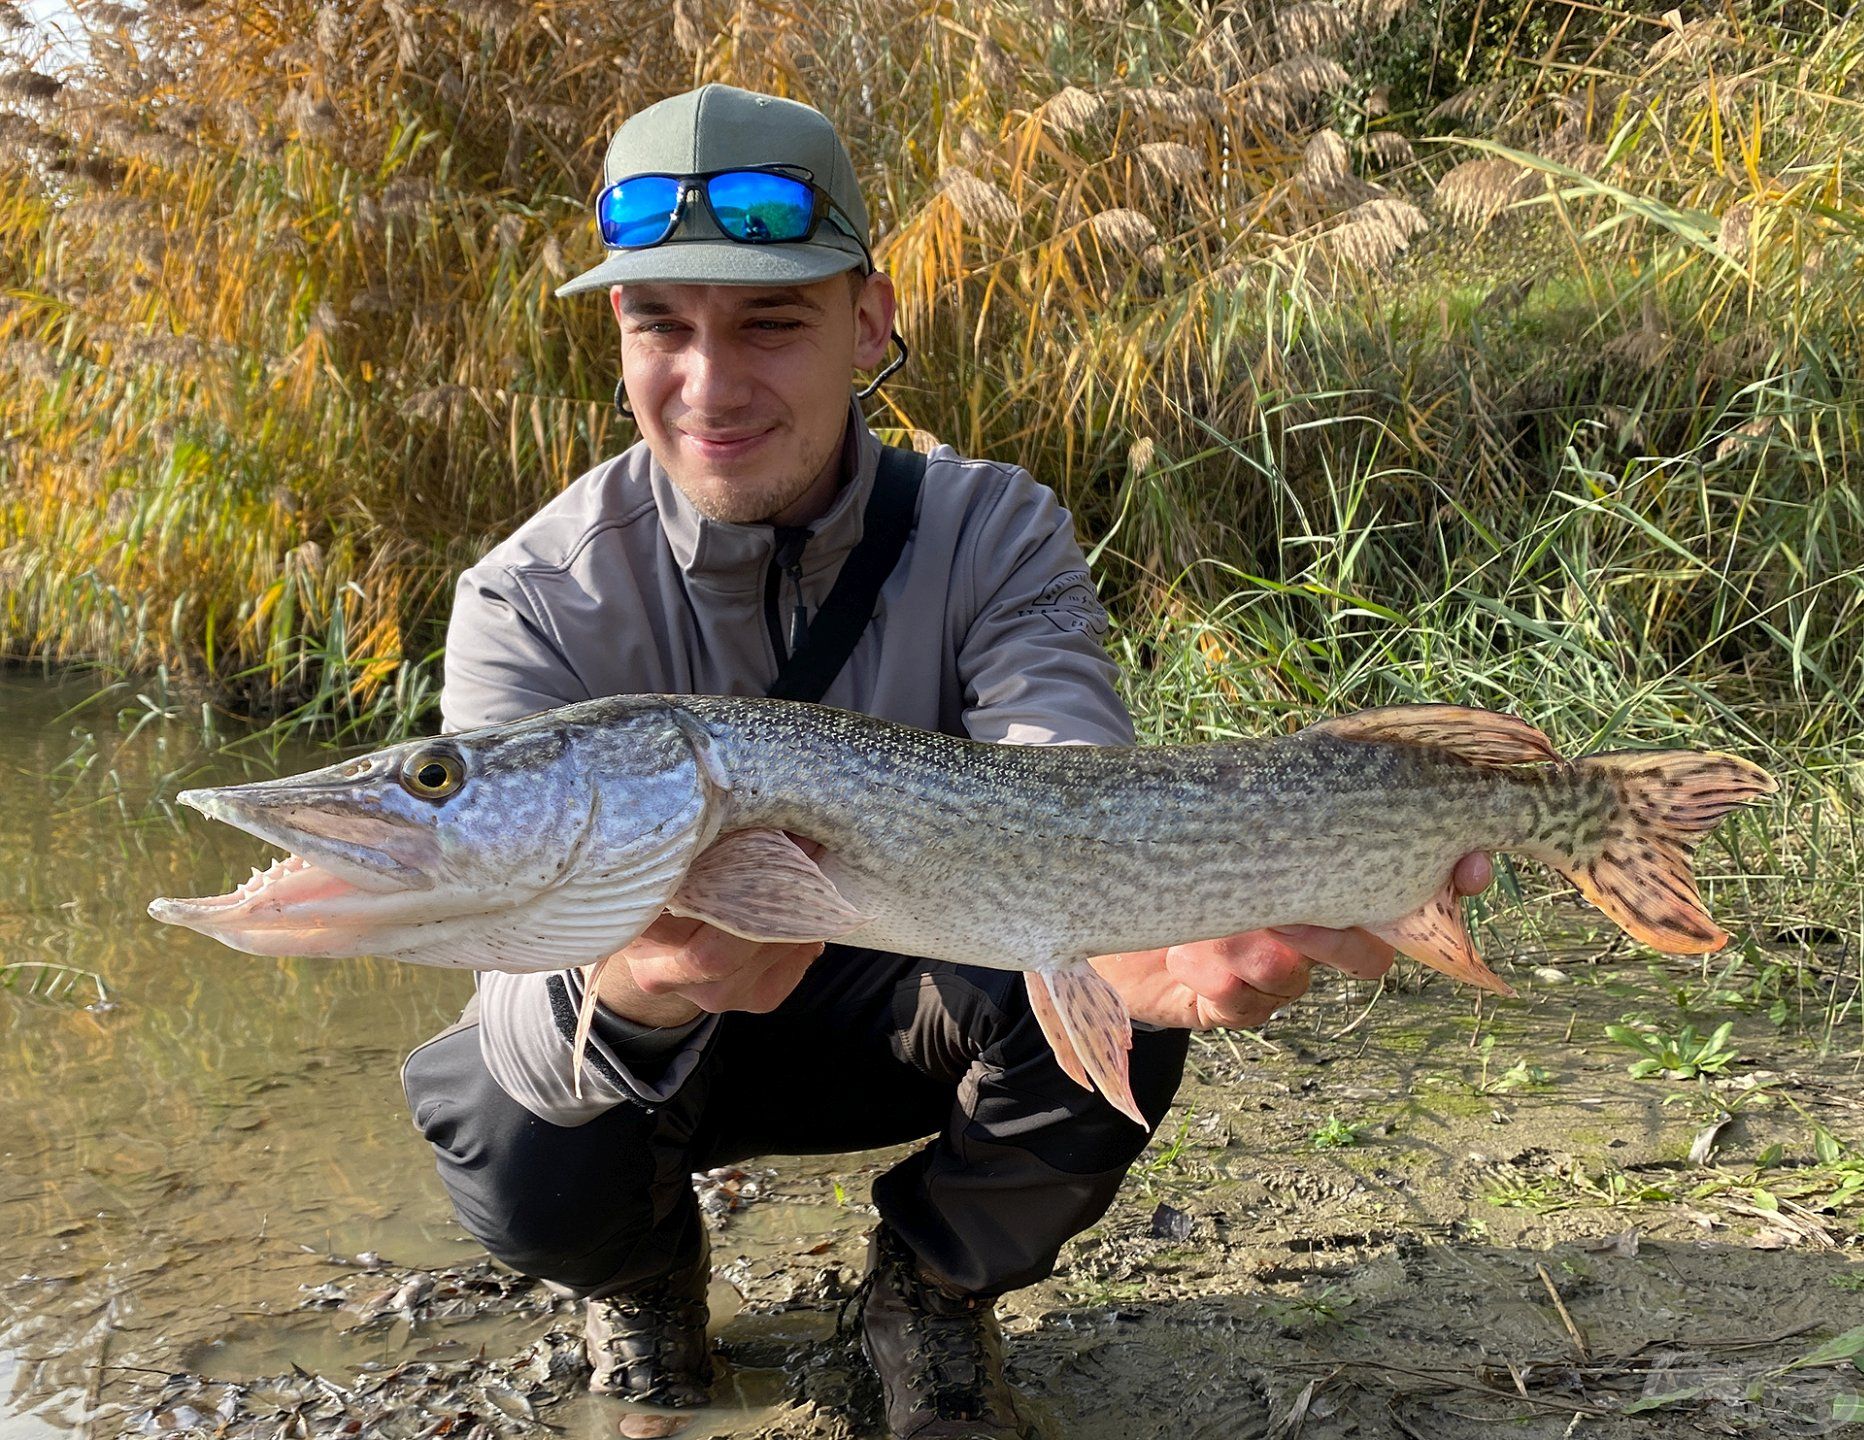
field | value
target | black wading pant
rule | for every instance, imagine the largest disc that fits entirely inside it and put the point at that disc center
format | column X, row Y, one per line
column 870, row 1049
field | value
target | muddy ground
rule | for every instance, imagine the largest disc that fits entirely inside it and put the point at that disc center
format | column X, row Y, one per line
column 1420, row 1218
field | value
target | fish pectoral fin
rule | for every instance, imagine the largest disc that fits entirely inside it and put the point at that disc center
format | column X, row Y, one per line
column 1087, row 1026
column 1482, row 737
column 585, row 1019
column 759, row 884
column 1435, row 935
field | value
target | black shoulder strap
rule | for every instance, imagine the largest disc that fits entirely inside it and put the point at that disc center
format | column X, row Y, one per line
column 892, row 506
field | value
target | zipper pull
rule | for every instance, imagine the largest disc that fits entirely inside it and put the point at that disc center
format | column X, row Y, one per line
column 790, row 542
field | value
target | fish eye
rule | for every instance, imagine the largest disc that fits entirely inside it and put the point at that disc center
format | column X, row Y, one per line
column 432, row 774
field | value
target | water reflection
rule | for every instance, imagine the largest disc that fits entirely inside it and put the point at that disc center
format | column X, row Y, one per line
column 175, row 1166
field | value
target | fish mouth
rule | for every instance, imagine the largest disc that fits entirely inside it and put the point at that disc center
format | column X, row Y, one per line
column 341, row 835
column 263, row 901
column 346, row 862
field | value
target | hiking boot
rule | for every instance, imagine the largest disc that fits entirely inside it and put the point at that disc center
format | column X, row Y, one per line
column 939, row 1355
column 648, row 1343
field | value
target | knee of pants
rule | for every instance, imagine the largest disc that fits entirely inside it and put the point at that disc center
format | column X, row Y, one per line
column 564, row 1204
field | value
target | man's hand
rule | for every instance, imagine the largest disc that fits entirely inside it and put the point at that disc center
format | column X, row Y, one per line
column 678, row 969
column 1238, row 981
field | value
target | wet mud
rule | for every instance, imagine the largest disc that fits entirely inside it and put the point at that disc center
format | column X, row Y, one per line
column 1428, row 1221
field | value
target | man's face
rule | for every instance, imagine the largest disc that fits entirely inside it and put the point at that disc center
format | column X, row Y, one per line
column 741, row 391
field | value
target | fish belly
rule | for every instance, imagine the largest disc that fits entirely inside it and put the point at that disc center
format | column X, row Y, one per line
column 1020, row 913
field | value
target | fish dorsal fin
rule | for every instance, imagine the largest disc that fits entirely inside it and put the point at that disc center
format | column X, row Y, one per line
column 1089, row 1030
column 760, row 885
column 1434, row 934
column 1482, row 737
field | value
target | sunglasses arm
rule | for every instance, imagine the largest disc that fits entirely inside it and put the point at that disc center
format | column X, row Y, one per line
column 867, row 390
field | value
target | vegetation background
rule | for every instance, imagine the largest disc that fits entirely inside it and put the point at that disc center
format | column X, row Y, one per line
column 1503, row 350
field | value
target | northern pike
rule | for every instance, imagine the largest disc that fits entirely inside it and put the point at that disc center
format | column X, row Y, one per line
column 555, row 840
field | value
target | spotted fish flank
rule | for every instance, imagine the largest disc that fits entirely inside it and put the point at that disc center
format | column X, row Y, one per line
column 556, row 840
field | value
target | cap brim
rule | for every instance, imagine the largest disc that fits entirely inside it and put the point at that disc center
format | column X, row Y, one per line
column 717, row 262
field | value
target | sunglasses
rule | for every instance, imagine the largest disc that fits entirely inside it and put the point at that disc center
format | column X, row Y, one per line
column 753, row 207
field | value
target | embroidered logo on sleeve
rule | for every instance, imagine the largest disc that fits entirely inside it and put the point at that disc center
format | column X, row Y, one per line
column 1068, row 603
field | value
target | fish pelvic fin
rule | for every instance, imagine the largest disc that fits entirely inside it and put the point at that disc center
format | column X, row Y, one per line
column 1049, row 1018
column 1482, row 737
column 1435, row 935
column 1087, row 1026
column 1635, row 861
column 759, row 884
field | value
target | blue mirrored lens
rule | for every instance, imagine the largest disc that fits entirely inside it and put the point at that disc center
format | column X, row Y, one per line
column 638, row 211
column 757, row 206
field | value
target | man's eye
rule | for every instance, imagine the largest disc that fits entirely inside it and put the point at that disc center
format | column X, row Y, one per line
column 779, row 324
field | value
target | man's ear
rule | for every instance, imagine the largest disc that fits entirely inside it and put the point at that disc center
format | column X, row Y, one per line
column 615, row 292
column 874, row 308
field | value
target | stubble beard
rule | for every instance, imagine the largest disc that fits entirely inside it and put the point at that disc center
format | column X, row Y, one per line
column 752, row 500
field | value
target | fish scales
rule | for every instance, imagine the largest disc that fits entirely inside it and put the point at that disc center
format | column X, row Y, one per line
column 1012, row 856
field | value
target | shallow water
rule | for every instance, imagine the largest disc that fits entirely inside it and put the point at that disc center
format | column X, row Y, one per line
column 174, row 1166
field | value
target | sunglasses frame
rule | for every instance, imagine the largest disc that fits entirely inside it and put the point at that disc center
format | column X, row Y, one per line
column 823, row 206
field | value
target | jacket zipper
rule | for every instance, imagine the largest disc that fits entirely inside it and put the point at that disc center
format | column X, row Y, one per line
column 786, row 560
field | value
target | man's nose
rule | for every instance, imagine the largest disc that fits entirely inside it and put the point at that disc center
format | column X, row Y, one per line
column 715, row 380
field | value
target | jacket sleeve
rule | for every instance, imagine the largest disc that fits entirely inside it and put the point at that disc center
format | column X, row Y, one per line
column 1032, row 659
column 503, row 660
column 527, row 1024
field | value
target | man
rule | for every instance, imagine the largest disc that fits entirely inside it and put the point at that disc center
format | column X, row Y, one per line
column 740, row 279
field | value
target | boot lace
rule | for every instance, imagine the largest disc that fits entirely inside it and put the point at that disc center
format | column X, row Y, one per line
column 950, row 1350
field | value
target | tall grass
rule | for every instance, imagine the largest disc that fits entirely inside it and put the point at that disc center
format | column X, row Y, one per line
column 1442, row 338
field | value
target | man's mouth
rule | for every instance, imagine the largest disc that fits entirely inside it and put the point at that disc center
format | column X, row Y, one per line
column 725, row 445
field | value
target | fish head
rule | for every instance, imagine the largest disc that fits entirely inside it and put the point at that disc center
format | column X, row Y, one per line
column 549, row 842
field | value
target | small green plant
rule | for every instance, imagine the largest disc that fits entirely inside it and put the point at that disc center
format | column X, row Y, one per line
column 1335, row 1134
column 51, row 983
column 1163, row 1166
column 1681, row 1055
column 1326, row 1309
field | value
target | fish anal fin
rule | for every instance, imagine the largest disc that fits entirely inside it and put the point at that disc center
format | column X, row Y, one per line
column 759, row 884
column 1100, row 1032
column 1049, row 1018
column 1434, row 934
column 1482, row 737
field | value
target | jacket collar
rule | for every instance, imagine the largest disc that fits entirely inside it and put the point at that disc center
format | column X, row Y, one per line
column 732, row 559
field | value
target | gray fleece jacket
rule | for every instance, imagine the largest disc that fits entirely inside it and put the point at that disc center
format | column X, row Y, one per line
column 987, row 627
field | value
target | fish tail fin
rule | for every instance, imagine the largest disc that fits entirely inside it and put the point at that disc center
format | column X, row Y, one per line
column 1634, row 859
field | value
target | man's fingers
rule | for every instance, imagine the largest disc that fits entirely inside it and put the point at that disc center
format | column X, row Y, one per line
column 773, row 987
column 779, row 970
column 709, row 955
column 1222, row 970
column 1357, row 952
column 1473, row 874
column 671, row 931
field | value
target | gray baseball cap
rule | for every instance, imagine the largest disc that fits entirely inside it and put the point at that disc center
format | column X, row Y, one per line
column 719, row 127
